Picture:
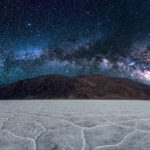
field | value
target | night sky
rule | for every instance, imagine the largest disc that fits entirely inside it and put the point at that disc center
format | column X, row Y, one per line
column 73, row 37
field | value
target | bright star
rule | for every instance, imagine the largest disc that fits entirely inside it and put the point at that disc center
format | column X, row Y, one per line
column 29, row 24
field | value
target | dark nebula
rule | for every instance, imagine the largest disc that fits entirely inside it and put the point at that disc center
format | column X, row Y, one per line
column 73, row 37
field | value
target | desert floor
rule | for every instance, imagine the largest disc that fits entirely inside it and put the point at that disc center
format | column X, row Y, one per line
column 74, row 125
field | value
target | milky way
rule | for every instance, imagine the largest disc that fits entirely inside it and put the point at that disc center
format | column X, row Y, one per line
column 73, row 37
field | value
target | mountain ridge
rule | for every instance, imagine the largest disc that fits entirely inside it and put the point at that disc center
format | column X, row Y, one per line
column 56, row 86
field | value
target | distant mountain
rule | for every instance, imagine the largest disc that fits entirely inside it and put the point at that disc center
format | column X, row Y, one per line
column 79, row 87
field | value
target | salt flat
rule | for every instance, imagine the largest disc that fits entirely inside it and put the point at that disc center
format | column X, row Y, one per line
column 74, row 125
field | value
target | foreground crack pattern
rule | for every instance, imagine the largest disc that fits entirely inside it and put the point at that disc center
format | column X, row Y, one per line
column 74, row 125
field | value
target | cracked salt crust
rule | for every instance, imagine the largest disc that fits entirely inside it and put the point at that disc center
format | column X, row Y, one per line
column 74, row 125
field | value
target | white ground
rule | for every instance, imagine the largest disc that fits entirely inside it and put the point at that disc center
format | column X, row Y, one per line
column 75, row 125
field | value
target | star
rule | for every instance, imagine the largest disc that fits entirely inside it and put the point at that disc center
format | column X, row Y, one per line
column 29, row 24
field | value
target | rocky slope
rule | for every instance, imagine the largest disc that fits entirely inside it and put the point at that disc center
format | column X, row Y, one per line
column 79, row 87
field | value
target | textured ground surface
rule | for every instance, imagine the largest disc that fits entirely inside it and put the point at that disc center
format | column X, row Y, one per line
column 75, row 125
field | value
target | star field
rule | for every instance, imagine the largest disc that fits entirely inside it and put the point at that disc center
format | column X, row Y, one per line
column 72, row 37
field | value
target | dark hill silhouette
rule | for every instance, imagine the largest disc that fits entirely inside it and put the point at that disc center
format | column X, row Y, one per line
column 79, row 87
